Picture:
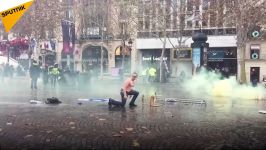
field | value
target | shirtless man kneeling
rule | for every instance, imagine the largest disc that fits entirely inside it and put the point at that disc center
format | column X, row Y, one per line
column 126, row 90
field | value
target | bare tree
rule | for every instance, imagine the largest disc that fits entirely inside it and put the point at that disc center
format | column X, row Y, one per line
column 123, row 22
column 93, row 18
column 43, row 16
column 167, row 21
column 41, row 22
column 246, row 15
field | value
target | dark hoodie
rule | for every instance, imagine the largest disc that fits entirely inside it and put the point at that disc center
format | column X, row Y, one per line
column 35, row 70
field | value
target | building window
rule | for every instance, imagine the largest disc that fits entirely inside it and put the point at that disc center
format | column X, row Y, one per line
column 189, row 24
column 213, row 19
column 189, row 5
column 197, row 24
column 140, row 25
column 147, row 24
column 182, row 21
column 205, row 4
column 184, row 53
column 254, row 51
column 147, row 18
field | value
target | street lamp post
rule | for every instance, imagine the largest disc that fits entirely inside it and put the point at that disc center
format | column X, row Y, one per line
column 199, row 51
column 130, row 42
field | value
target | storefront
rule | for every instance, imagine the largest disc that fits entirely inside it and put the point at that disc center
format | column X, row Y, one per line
column 223, row 60
column 181, row 62
column 255, row 65
column 151, row 58
column 91, row 59
column 216, row 43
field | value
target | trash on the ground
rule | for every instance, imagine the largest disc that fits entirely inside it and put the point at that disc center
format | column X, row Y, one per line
column 171, row 100
column 136, row 143
column 79, row 103
column 200, row 101
column 73, row 128
column 71, row 123
column 262, row 111
column 82, row 99
column 98, row 99
column 129, row 129
column 185, row 101
column 153, row 102
column 47, row 140
column 53, row 100
column 35, row 102
column 122, row 132
column 28, row 136
column 0, row 130
column 117, row 135
column 9, row 124
column 101, row 119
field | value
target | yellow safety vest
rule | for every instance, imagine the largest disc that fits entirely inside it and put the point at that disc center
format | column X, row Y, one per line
column 55, row 71
column 152, row 72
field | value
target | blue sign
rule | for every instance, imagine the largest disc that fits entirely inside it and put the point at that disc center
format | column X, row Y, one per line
column 196, row 59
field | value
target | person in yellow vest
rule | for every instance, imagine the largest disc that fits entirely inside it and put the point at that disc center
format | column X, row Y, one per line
column 55, row 74
column 152, row 74
column 144, row 75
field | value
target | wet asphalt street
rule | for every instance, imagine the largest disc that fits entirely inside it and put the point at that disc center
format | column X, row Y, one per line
column 221, row 123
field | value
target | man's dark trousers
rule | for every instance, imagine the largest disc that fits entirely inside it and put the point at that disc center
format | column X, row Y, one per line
column 123, row 102
column 34, row 83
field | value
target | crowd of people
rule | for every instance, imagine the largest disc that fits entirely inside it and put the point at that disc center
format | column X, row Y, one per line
column 9, row 71
column 53, row 75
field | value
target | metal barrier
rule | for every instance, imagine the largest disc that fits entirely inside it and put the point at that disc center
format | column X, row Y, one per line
column 186, row 101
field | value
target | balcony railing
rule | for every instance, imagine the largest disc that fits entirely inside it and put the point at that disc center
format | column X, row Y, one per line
column 95, row 37
column 173, row 33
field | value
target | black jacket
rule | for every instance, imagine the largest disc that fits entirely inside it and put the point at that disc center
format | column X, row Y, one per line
column 35, row 71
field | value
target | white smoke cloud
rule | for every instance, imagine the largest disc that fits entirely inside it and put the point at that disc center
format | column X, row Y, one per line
column 211, row 84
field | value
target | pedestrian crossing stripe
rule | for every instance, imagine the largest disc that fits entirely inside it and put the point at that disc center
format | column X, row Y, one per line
column 11, row 12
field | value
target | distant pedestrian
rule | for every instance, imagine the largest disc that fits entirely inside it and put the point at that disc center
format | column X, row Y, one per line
column 34, row 74
column 152, row 74
column 126, row 90
column 55, row 72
